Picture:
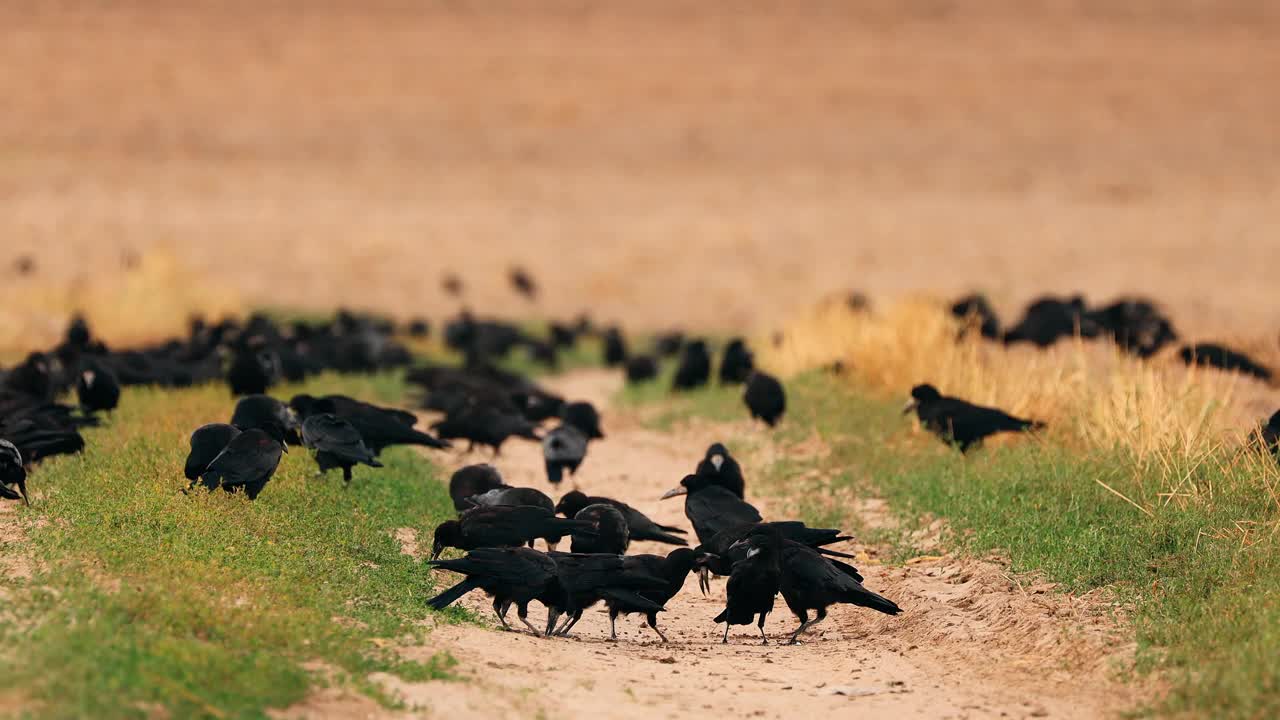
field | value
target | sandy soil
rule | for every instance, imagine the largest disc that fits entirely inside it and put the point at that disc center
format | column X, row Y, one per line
column 660, row 162
column 973, row 642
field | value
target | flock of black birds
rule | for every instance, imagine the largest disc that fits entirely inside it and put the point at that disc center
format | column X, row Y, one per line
column 483, row 404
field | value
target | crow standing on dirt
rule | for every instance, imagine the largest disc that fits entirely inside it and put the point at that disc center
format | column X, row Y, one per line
column 711, row 508
column 695, row 367
column 1224, row 358
column 587, row 579
column 736, row 363
column 379, row 427
column 609, row 532
column 13, row 476
column 583, row 416
column 509, row 575
column 809, row 581
column 503, row 526
column 247, row 462
column 512, row 496
column 523, row 283
column 615, row 347
column 765, row 398
column 722, row 552
column 97, row 388
column 263, row 411
column 722, row 469
column 750, row 592
column 335, row 443
column 484, row 425
column 564, row 448
column 673, row 568
column 207, row 442
column 473, row 480
column 961, row 423
column 639, row 525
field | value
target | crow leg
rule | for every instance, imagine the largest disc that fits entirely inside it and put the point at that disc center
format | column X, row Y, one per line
column 523, row 613
column 346, row 475
column 804, row 625
column 564, row 631
column 501, row 611
column 613, row 624
column 704, row 580
column 725, row 641
column 764, row 639
column 653, row 623
column 552, row 617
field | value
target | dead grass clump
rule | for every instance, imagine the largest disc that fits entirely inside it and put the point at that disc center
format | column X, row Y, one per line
column 1090, row 393
column 152, row 299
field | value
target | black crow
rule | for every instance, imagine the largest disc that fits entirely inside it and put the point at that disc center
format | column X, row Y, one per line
column 1223, row 358
column 508, row 575
column 33, row 377
column 809, row 581
column 976, row 313
column 695, row 367
column 562, row 335
column 97, row 388
column 961, row 423
column 523, row 283
column 13, row 476
column 583, row 416
column 668, row 344
column 609, row 532
column 263, row 411
column 639, row 525
column 1136, row 325
column 379, row 427
column 564, row 448
column 750, row 592
column 207, row 442
column 1267, row 436
column 249, row 373
column 418, row 328
column 247, row 462
column 336, row 443
column 720, row 553
column 473, row 480
column 615, row 347
column 711, row 508
column 484, row 425
column 721, row 468
column 1047, row 319
column 641, row 368
column 765, row 398
column 586, row 579
column 512, row 496
column 503, row 526
column 673, row 568
column 736, row 363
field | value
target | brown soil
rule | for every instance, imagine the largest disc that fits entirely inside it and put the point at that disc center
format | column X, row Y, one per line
column 972, row 642
column 662, row 162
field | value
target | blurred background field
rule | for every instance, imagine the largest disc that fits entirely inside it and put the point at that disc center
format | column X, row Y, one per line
column 715, row 165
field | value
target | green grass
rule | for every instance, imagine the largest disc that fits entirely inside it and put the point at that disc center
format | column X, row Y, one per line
column 210, row 605
column 1202, row 573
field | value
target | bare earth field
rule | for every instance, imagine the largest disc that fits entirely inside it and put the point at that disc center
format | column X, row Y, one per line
column 658, row 163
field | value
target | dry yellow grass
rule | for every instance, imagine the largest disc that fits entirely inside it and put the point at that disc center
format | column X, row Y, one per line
column 153, row 299
column 1090, row 393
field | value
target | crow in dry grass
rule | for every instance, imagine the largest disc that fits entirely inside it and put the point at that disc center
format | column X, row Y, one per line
column 638, row 524
column 719, row 467
column 336, row 443
column 610, row 532
column 247, row 462
column 711, row 508
column 736, row 363
column 641, row 368
column 523, row 283
column 1224, row 358
column 1267, row 436
column 13, row 475
column 961, row 423
column 976, row 312
column 695, row 367
column 809, row 581
column 97, row 388
column 673, row 568
column 765, row 398
column 473, row 480
column 615, row 347
column 1136, row 325
column 511, row 576
column 504, row 526
column 207, row 442
column 1048, row 319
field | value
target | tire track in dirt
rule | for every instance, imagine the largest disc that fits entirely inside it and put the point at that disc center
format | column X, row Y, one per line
column 972, row 642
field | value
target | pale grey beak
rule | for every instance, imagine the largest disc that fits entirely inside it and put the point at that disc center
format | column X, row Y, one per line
column 682, row 490
column 912, row 404
column 717, row 460
column 753, row 552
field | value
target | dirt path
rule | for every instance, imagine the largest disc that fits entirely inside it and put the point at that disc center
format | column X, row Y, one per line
column 971, row 643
